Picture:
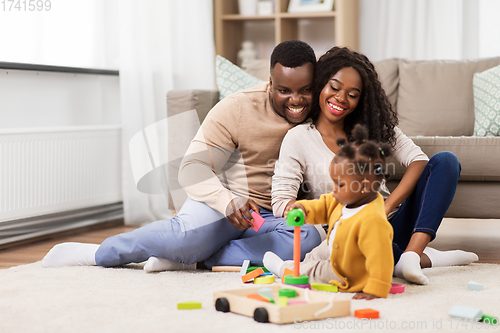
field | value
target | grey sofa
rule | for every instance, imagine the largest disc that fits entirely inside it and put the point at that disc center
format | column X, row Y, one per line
column 435, row 106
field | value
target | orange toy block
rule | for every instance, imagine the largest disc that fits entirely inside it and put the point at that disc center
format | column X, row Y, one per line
column 366, row 313
column 252, row 274
column 258, row 297
column 287, row 272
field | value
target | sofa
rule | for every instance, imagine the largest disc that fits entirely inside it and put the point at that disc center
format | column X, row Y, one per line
column 435, row 105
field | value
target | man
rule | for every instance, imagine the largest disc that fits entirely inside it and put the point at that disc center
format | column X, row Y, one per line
column 226, row 173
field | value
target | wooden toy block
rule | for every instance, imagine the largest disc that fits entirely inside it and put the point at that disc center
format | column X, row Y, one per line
column 296, row 280
column 287, row 272
column 489, row 320
column 244, row 267
column 325, row 287
column 266, row 292
column 366, row 313
column 264, row 280
column 283, row 301
column 397, row 288
column 290, row 293
column 252, row 268
column 253, row 274
column 226, row 268
column 188, row 305
column 259, row 221
column 295, row 218
column 466, row 312
column 258, row 297
column 236, row 301
column 472, row 285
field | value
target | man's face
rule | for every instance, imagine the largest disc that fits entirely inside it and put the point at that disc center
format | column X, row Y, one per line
column 291, row 91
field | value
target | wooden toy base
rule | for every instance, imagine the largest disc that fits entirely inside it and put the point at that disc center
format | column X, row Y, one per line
column 236, row 301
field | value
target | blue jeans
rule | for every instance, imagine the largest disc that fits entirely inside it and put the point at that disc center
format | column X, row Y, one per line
column 424, row 209
column 199, row 233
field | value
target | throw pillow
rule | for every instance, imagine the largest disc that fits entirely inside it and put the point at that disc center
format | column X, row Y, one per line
column 231, row 78
column 487, row 102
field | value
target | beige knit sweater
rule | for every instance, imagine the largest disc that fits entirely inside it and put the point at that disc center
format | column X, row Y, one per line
column 234, row 152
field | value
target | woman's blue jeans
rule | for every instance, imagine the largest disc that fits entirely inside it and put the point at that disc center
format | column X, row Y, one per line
column 424, row 209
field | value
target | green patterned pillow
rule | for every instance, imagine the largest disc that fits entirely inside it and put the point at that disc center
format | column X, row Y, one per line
column 487, row 102
column 231, row 78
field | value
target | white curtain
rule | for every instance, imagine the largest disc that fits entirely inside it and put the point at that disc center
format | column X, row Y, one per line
column 157, row 45
column 429, row 29
column 162, row 45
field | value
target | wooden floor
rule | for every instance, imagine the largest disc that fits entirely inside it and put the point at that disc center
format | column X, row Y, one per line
column 487, row 249
column 30, row 253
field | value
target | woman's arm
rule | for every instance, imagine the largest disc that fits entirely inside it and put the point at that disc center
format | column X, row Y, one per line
column 405, row 186
column 288, row 175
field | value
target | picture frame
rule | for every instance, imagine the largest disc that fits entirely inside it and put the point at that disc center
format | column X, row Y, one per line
column 307, row 6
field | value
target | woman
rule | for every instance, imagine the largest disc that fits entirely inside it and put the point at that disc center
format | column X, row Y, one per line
column 347, row 91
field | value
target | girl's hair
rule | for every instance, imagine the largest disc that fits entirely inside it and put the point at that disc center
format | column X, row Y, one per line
column 367, row 156
column 374, row 109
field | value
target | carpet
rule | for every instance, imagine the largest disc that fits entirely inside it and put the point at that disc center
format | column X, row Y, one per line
column 126, row 299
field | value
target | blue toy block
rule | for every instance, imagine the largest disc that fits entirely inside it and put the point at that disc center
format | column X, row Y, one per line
column 466, row 312
column 472, row 285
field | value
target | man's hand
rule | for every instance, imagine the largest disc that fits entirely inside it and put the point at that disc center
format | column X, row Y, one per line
column 366, row 296
column 238, row 213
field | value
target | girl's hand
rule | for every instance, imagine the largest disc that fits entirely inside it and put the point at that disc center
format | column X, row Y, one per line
column 366, row 296
column 287, row 207
column 296, row 206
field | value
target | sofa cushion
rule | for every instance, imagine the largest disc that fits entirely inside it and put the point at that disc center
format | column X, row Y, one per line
column 436, row 97
column 487, row 102
column 231, row 78
column 387, row 71
column 479, row 156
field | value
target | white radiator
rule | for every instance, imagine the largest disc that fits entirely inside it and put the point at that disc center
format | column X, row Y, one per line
column 47, row 171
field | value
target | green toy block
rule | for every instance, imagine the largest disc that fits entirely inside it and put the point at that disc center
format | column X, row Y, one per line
column 188, row 305
column 301, row 279
column 287, row 293
column 295, row 218
column 489, row 320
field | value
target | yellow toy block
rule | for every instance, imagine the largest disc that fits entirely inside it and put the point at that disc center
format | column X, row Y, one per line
column 264, row 280
column 325, row 287
column 188, row 305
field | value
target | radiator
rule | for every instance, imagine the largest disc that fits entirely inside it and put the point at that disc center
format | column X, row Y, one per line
column 47, row 171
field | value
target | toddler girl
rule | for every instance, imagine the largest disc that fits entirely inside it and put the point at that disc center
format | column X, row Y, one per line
column 358, row 256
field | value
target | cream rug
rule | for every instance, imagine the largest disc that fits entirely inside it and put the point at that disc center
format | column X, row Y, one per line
column 95, row 299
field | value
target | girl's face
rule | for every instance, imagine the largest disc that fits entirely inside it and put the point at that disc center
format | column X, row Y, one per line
column 341, row 95
column 350, row 189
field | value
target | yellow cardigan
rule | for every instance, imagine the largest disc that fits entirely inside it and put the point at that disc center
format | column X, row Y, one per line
column 362, row 249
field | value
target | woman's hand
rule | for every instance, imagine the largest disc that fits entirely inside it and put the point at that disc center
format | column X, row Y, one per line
column 366, row 296
column 238, row 213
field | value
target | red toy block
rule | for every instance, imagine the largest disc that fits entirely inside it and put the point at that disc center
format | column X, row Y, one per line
column 259, row 221
column 287, row 272
column 252, row 274
column 366, row 313
column 397, row 288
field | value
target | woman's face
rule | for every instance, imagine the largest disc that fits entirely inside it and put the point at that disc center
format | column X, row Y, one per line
column 341, row 95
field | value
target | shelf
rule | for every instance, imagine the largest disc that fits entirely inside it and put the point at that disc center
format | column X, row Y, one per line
column 231, row 29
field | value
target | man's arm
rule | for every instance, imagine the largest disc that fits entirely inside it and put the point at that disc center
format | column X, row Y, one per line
column 211, row 153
